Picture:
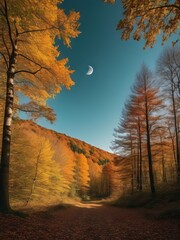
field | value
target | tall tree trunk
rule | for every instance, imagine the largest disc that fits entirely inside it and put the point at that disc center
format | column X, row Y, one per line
column 151, row 175
column 176, row 135
column 6, row 141
column 6, row 138
column 137, row 170
column 132, row 169
column 163, row 162
column 140, row 156
column 135, row 160
column 8, row 113
column 173, row 146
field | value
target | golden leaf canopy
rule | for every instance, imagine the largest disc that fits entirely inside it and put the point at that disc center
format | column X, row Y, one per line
column 32, row 26
column 149, row 18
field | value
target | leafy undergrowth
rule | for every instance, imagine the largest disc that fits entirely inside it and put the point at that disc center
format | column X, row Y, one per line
column 163, row 205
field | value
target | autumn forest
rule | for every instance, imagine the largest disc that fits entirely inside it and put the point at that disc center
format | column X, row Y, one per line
column 147, row 136
column 42, row 168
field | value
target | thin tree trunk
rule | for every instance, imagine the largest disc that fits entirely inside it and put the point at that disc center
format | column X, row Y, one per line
column 132, row 169
column 140, row 156
column 173, row 147
column 176, row 136
column 137, row 168
column 151, row 175
column 163, row 162
column 132, row 175
column 35, row 178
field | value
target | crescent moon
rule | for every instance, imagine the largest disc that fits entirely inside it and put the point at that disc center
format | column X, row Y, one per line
column 90, row 70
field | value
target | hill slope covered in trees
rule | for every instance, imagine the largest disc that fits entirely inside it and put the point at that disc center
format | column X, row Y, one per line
column 47, row 167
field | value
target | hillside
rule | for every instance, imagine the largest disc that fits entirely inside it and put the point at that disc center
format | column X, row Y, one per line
column 48, row 167
column 97, row 155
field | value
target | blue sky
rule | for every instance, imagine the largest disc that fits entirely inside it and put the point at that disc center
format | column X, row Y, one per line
column 92, row 108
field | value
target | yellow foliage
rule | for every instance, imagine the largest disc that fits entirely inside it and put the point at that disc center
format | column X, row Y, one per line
column 82, row 172
column 34, row 174
column 66, row 162
column 147, row 19
column 43, row 166
column 33, row 27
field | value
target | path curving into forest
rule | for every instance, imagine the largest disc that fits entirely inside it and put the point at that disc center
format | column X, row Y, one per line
column 89, row 222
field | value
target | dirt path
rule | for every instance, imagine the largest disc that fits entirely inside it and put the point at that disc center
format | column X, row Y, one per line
column 88, row 222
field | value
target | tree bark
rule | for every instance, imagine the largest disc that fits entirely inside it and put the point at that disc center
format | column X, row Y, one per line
column 6, row 141
column 132, row 169
column 6, row 138
column 176, row 134
column 148, row 137
column 8, row 113
column 163, row 162
column 140, row 155
column 151, row 175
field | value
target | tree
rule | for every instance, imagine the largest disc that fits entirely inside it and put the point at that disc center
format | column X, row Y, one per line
column 147, row 19
column 95, row 171
column 163, row 148
column 43, row 165
column 169, row 72
column 22, row 165
column 128, row 138
column 34, row 174
column 66, row 161
column 2, row 89
column 135, row 131
column 82, row 174
column 107, row 180
column 150, row 104
column 28, row 58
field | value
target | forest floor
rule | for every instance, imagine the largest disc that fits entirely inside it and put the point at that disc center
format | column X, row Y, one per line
column 89, row 221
